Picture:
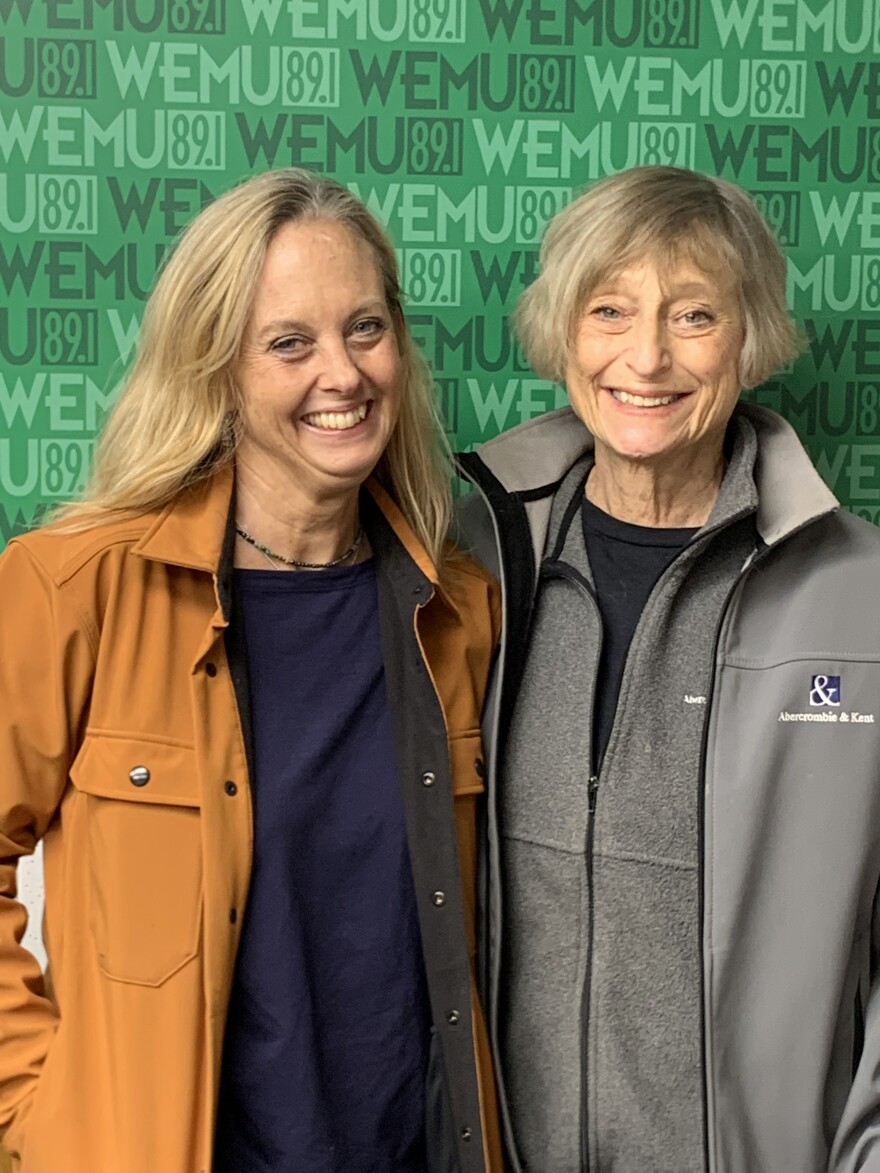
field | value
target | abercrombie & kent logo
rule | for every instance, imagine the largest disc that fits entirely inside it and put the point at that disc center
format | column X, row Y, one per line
column 825, row 695
column 825, row 690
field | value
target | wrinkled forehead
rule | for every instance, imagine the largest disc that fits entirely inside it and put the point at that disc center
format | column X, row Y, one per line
column 697, row 255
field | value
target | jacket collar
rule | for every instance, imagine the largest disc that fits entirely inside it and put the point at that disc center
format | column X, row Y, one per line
column 411, row 544
column 538, row 454
column 196, row 530
column 190, row 530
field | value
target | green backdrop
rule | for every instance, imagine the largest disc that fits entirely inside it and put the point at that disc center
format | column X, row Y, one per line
column 464, row 124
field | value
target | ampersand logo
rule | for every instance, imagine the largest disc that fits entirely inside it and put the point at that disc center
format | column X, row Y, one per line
column 825, row 690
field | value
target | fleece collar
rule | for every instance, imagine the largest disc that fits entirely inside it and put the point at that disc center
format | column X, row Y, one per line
column 539, row 453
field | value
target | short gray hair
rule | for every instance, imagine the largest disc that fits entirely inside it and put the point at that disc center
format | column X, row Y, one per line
column 663, row 214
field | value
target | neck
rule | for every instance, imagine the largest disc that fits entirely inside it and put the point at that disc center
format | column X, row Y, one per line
column 678, row 494
column 310, row 528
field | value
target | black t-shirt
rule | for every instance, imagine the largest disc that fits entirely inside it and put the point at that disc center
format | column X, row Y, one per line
column 626, row 561
column 327, row 1037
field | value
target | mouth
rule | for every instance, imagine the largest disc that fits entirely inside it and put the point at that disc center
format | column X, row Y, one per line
column 337, row 421
column 632, row 400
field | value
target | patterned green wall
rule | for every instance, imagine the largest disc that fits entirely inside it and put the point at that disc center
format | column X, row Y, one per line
column 464, row 124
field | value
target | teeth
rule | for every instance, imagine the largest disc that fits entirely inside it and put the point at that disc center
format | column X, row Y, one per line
column 336, row 421
column 642, row 400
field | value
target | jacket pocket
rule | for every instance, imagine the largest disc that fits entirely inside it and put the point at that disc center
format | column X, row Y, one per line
column 144, row 855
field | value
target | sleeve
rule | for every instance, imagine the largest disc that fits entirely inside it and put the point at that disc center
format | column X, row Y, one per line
column 474, row 532
column 856, row 1147
column 45, row 672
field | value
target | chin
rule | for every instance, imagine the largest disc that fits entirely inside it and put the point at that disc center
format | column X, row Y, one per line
column 642, row 447
column 353, row 471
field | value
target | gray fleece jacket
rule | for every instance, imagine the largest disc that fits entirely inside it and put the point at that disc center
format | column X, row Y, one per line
column 787, row 820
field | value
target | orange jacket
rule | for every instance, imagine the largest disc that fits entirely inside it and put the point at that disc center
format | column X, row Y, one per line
column 113, row 656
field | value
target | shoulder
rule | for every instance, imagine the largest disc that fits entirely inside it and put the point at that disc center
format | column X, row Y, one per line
column 63, row 552
column 813, row 595
column 534, row 454
column 834, row 546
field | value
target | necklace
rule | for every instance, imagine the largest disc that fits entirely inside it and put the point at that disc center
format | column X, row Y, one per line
column 272, row 558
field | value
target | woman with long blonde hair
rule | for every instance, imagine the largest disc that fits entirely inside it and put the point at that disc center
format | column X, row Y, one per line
column 240, row 686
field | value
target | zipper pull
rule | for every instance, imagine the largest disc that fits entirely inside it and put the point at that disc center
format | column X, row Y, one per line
column 592, row 791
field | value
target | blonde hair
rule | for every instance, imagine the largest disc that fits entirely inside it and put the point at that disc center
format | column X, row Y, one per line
column 176, row 422
column 663, row 214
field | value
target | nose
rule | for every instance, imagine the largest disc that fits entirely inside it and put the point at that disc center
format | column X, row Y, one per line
column 649, row 348
column 339, row 371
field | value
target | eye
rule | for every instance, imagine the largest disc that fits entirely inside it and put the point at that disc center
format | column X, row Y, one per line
column 369, row 329
column 696, row 317
column 289, row 347
column 605, row 313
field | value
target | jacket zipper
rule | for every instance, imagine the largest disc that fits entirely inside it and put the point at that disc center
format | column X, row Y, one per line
column 563, row 570
column 592, row 798
column 592, row 795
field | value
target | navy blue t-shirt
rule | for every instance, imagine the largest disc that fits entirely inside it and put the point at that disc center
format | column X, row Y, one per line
column 326, row 1042
column 626, row 561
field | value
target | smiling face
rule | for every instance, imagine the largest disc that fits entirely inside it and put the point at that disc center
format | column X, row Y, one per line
column 653, row 365
column 320, row 370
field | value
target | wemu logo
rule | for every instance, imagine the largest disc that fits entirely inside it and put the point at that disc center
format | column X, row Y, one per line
column 520, row 267
column 829, row 347
column 483, row 342
column 832, row 410
column 621, row 22
column 846, row 85
column 58, row 336
column 188, row 73
column 432, row 81
column 73, row 270
column 415, row 146
column 22, row 9
column 851, row 470
column 860, row 209
column 69, row 402
column 666, row 86
column 19, row 522
column 496, row 407
column 838, row 283
column 782, row 155
column 361, row 20
column 178, row 200
column 794, row 26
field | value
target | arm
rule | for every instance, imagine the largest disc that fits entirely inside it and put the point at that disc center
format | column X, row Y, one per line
column 45, row 672
column 856, row 1147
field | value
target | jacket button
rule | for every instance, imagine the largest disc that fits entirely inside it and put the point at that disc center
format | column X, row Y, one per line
column 428, row 778
column 466, row 1134
column 452, row 1017
column 439, row 898
column 211, row 669
column 233, row 915
column 231, row 789
column 480, row 767
column 139, row 776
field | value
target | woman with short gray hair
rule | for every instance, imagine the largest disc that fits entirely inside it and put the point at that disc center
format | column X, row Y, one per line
column 683, row 849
